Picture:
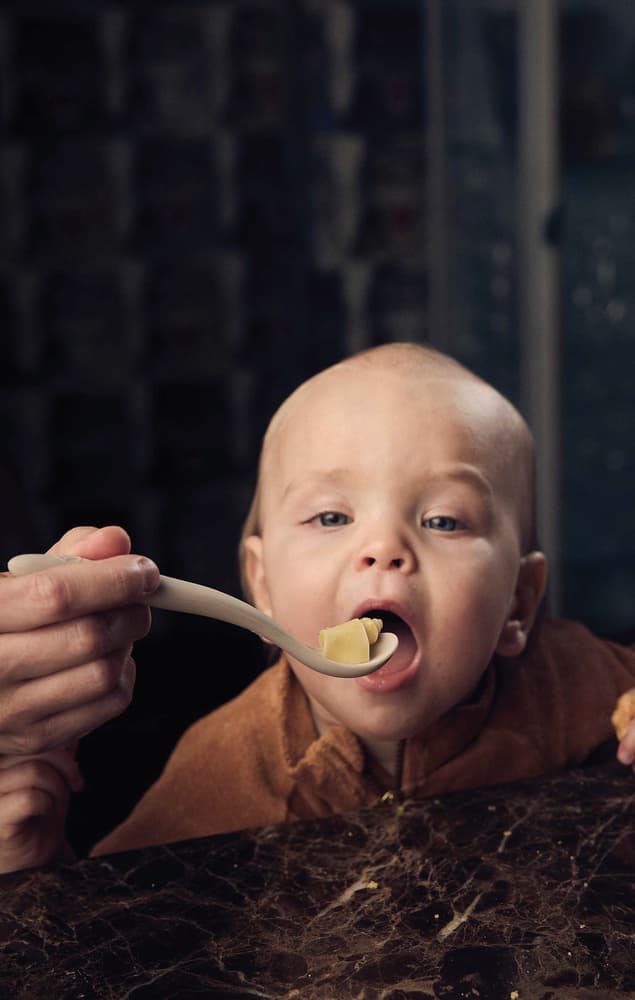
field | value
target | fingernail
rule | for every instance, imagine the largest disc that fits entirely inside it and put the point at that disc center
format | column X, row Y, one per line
column 150, row 573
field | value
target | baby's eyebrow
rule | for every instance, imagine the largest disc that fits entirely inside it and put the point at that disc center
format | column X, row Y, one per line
column 468, row 474
column 317, row 477
column 463, row 473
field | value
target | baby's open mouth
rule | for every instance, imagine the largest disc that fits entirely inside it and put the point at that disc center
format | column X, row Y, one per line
column 407, row 642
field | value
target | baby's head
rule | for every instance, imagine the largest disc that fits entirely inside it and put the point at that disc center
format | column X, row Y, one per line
column 399, row 485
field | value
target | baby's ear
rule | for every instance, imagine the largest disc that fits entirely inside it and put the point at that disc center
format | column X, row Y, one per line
column 530, row 590
column 254, row 572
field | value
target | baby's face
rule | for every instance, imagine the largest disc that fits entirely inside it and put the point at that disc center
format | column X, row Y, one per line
column 383, row 497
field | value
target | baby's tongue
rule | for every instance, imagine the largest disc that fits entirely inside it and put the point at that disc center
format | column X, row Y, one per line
column 405, row 650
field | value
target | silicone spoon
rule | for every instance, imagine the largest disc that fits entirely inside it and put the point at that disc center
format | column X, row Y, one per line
column 195, row 599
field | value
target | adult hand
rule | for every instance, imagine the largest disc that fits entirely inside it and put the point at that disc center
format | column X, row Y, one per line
column 34, row 797
column 66, row 638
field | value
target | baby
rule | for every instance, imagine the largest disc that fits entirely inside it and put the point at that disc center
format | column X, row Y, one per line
column 398, row 485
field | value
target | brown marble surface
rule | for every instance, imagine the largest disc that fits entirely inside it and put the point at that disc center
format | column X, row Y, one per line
column 525, row 892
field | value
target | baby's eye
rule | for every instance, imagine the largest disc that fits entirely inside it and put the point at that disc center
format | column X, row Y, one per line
column 442, row 522
column 332, row 519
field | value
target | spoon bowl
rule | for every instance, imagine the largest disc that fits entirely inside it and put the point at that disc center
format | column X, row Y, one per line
column 195, row 599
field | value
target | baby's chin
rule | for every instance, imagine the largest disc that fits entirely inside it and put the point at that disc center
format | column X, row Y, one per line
column 336, row 701
column 384, row 725
column 388, row 731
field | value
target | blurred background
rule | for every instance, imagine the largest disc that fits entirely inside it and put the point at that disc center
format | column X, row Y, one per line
column 203, row 203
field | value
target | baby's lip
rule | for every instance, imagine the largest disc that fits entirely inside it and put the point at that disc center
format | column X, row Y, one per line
column 372, row 608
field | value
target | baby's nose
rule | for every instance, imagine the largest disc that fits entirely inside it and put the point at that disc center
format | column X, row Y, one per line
column 387, row 553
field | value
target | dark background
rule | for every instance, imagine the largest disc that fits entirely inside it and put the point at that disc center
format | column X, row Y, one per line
column 203, row 203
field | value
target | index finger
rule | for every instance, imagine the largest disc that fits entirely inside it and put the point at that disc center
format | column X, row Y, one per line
column 74, row 589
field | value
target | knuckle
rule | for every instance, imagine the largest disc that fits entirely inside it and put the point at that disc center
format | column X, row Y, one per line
column 104, row 676
column 32, row 771
column 31, row 801
column 51, row 593
column 125, row 584
column 30, row 741
column 93, row 635
column 122, row 699
column 100, row 635
column 142, row 621
column 18, row 733
column 122, row 696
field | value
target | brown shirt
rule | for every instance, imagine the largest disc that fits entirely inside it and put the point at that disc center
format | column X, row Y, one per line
column 258, row 760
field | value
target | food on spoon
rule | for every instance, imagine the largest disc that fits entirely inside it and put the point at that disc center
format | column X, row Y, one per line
column 624, row 713
column 350, row 642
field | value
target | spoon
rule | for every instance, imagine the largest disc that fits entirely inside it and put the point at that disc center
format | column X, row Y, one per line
column 194, row 599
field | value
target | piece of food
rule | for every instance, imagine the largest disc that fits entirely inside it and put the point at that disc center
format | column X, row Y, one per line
column 350, row 642
column 624, row 713
column 373, row 627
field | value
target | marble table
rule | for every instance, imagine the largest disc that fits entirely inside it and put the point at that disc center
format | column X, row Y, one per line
column 523, row 893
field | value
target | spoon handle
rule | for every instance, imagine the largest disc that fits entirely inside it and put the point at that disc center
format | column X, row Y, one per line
column 196, row 599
